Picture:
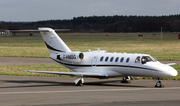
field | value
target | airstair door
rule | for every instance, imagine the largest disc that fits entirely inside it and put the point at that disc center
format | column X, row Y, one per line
column 94, row 61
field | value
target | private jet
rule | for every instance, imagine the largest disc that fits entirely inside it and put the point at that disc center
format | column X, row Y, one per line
column 102, row 64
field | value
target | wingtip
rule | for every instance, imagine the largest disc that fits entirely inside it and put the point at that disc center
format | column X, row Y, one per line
column 27, row 70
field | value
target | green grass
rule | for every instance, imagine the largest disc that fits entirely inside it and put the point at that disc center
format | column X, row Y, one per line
column 23, row 46
column 177, row 67
column 167, row 48
column 19, row 70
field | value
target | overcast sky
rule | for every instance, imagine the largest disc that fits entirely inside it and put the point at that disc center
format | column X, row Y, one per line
column 35, row 10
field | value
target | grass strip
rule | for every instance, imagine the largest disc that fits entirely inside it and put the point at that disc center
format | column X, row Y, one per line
column 167, row 48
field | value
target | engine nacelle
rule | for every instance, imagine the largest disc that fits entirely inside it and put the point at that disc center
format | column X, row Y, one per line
column 70, row 56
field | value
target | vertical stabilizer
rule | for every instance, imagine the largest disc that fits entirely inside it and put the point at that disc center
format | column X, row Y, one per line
column 53, row 42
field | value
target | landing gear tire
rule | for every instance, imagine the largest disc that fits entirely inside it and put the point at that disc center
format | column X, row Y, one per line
column 126, row 80
column 79, row 83
column 159, row 85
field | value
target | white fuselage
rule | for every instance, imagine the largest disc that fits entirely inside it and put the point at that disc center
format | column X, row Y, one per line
column 112, row 64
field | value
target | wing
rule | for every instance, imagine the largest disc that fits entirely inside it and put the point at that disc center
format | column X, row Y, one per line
column 170, row 64
column 70, row 73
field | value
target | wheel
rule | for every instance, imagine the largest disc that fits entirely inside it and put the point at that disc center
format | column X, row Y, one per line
column 158, row 84
column 125, row 80
column 79, row 83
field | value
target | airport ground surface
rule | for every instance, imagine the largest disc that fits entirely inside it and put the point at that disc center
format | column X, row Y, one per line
column 23, row 90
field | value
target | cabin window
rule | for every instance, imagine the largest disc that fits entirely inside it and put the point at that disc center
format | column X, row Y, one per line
column 137, row 59
column 106, row 59
column 122, row 59
column 116, row 60
column 127, row 60
column 111, row 59
column 101, row 59
column 146, row 59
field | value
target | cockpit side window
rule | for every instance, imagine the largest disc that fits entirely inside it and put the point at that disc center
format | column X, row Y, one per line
column 137, row 59
column 146, row 59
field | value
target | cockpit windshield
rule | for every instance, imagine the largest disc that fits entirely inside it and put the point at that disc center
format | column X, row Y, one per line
column 145, row 59
column 153, row 59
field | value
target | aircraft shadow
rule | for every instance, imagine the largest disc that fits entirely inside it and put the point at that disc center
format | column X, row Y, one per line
column 35, row 83
column 32, row 83
column 111, row 83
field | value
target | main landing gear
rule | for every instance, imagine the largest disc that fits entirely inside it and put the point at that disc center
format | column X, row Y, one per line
column 158, row 84
column 127, row 79
column 79, row 81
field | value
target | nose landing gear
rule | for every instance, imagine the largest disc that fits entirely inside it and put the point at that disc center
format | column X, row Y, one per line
column 158, row 84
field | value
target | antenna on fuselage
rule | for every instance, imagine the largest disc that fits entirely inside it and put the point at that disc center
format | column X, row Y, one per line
column 99, row 50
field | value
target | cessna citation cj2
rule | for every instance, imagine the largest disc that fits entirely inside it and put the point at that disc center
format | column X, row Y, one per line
column 102, row 64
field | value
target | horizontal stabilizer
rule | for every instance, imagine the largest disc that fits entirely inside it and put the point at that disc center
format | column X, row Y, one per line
column 69, row 73
column 34, row 30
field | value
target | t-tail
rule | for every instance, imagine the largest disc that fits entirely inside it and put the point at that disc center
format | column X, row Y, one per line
column 53, row 42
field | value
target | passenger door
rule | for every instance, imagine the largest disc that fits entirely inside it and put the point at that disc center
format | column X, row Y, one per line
column 94, row 61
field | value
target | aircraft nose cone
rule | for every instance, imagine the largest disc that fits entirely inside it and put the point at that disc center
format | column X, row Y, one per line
column 165, row 71
column 172, row 72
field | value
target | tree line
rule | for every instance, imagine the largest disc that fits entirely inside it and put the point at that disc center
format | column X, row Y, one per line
column 170, row 23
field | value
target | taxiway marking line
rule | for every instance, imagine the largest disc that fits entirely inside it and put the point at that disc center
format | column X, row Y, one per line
column 95, row 90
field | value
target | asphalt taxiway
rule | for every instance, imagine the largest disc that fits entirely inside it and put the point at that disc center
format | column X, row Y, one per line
column 21, row 90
